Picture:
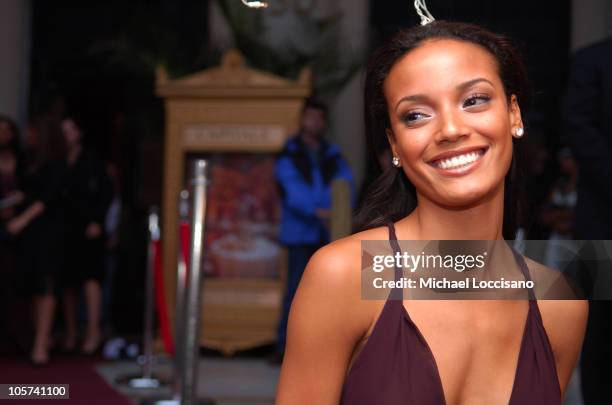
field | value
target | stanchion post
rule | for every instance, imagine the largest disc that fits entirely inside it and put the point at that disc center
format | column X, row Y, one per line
column 147, row 368
column 181, row 286
column 194, row 285
column 146, row 360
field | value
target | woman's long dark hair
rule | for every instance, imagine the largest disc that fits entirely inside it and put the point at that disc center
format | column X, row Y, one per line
column 392, row 196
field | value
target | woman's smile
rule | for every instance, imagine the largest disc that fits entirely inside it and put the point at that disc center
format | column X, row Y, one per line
column 459, row 162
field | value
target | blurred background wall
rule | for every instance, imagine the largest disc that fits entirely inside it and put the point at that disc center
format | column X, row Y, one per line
column 339, row 71
column 14, row 58
column 591, row 21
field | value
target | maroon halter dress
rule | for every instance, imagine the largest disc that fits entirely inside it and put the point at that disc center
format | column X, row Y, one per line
column 397, row 367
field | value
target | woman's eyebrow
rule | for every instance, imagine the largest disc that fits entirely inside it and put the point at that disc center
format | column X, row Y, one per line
column 415, row 97
column 470, row 83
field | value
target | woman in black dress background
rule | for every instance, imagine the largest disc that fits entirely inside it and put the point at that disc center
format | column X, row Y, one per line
column 38, row 227
column 88, row 195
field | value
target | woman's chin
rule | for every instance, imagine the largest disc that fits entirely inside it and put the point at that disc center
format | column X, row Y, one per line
column 463, row 197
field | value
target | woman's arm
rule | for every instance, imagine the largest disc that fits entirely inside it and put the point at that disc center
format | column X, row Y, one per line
column 17, row 224
column 565, row 323
column 326, row 321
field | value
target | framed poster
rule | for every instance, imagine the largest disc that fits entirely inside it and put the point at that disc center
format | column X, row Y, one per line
column 243, row 216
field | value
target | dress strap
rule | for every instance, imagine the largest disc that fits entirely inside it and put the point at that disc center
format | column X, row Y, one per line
column 524, row 269
column 397, row 292
column 392, row 235
column 393, row 238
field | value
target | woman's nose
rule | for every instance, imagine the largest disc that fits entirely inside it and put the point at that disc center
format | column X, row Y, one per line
column 452, row 128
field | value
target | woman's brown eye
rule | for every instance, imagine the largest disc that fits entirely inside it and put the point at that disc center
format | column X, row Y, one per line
column 412, row 117
column 476, row 100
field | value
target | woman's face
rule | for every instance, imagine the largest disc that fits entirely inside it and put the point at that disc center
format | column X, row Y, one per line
column 71, row 132
column 451, row 123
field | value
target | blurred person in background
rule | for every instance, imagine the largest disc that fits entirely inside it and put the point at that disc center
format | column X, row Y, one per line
column 88, row 195
column 9, row 137
column 10, row 195
column 558, row 214
column 540, row 172
column 305, row 170
column 38, row 225
column 11, row 166
column 11, row 323
column 588, row 124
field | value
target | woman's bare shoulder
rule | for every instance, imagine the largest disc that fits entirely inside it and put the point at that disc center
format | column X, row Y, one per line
column 333, row 275
column 327, row 320
column 564, row 314
column 558, row 303
column 557, row 298
column 346, row 251
column 551, row 284
column 340, row 261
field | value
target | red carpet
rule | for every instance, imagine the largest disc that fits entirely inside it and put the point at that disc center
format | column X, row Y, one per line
column 86, row 385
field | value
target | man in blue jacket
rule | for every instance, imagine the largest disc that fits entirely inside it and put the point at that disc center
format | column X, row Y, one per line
column 305, row 170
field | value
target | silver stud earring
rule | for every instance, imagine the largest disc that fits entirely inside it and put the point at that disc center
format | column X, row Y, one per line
column 519, row 132
column 395, row 161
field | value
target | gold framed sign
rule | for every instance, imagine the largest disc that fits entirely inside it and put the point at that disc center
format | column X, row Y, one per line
column 238, row 118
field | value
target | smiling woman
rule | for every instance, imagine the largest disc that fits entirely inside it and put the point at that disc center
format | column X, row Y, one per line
column 460, row 114
column 447, row 97
column 501, row 89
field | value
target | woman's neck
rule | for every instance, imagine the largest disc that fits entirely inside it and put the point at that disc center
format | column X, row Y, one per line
column 482, row 221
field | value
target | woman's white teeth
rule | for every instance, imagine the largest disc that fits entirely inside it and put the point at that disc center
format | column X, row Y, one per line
column 461, row 160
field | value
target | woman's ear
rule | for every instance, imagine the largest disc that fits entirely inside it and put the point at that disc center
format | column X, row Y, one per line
column 516, row 120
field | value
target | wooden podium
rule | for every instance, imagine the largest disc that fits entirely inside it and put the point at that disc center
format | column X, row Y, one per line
column 234, row 115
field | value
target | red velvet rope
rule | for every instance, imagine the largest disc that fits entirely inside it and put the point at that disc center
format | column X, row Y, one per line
column 160, row 295
column 160, row 300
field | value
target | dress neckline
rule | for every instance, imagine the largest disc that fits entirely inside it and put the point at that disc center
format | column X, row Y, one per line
column 432, row 358
column 530, row 311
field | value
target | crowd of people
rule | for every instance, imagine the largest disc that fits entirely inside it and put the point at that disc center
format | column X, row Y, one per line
column 54, row 199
